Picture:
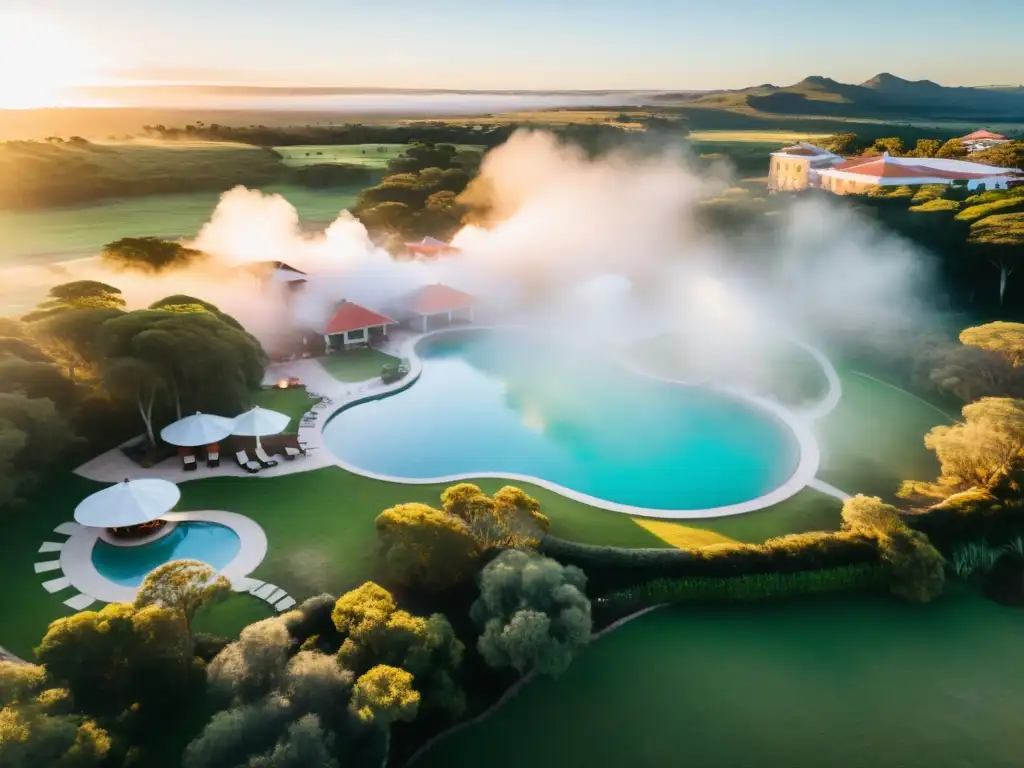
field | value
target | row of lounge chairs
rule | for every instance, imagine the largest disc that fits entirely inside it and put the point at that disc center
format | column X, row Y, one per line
column 263, row 461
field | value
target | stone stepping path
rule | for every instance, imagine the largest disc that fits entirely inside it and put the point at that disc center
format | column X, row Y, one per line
column 269, row 593
column 79, row 601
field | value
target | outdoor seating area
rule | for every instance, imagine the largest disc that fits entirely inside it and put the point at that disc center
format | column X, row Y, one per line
column 256, row 438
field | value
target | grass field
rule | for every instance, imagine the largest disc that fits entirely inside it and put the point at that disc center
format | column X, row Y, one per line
column 369, row 155
column 844, row 681
column 294, row 401
column 764, row 137
column 356, row 364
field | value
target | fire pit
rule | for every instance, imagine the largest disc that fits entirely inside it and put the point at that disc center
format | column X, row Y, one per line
column 289, row 382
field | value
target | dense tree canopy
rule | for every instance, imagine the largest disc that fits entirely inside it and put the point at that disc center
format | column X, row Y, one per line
column 148, row 254
column 916, row 569
column 534, row 613
column 183, row 586
column 425, row 547
column 119, row 656
column 1005, row 339
column 33, row 435
column 384, row 695
column 80, row 294
column 974, row 453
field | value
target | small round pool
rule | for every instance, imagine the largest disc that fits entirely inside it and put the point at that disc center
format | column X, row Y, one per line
column 211, row 543
column 510, row 402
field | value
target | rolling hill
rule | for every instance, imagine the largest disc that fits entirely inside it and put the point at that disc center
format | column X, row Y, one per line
column 883, row 96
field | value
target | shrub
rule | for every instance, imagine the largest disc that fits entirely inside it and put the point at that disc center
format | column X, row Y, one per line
column 754, row 586
column 424, row 547
column 612, row 568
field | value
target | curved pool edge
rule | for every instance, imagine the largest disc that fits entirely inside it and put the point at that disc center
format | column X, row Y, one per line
column 807, row 463
column 77, row 566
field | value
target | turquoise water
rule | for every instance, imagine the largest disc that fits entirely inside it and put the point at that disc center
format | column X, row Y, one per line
column 210, row 542
column 510, row 402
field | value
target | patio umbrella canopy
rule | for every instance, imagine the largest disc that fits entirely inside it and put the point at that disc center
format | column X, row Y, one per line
column 197, row 429
column 132, row 502
column 260, row 422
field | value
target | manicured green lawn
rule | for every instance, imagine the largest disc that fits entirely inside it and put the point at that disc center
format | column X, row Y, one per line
column 294, row 401
column 230, row 616
column 842, row 681
column 874, row 438
column 357, row 364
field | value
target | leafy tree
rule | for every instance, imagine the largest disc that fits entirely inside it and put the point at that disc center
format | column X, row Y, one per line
column 72, row 338
column 80, row 294
column 953, row 149
column 1005, row 339
column 180, row 302
column 22, row 349
column 925, row 148
column 533, row 612
column 252, row 666
column 1000, row 239
column 383, row 696
column 425, row 547
column 183, row 586
column 971, row 372
column 232, row 735
column 511, row 519
column 841, row 143
column 36, row 380
column 916, row 569
column 32, row 735
column 974, row 453
column 377, row 632
column 148, row 254
column 304, row 744
column 33, row 435
column 194, row 359
column 119, row 656
column 1008, row 155
column 891, row 144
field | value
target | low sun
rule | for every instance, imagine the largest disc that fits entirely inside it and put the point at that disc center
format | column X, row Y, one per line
column 39, row 61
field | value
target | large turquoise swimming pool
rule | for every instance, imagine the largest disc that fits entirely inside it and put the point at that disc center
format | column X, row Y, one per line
column 509, row 402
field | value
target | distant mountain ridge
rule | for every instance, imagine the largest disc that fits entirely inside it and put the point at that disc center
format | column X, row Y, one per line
column 883, row 96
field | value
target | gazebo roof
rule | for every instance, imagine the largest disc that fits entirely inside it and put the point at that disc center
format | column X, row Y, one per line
column 351, row 317
column 983, row 135
column 437, row 298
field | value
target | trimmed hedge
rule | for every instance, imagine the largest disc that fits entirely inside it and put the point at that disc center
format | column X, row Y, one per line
column 611, row 568
column 752, row 586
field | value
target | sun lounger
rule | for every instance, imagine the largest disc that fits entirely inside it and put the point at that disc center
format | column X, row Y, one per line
column 246, row 463
column 265, row 461
column 188, row 462
column 290, row 451
column 213, row 459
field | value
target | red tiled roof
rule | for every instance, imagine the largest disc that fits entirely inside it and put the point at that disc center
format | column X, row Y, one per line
column 883, row 168
column 352, row 317
column 983, row 135
column 434, row 299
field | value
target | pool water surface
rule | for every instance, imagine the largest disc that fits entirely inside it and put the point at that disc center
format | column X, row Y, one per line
column 510, row 402
column 211, row 543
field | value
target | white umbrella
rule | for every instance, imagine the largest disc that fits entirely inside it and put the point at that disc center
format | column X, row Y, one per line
column 197, row 429
column 259, row 422
column 132, row 502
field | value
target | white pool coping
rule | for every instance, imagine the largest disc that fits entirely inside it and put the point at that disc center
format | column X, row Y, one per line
column 76, row 555
column 800, row 426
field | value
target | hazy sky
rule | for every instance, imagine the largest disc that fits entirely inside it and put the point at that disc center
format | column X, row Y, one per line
column 538, row 44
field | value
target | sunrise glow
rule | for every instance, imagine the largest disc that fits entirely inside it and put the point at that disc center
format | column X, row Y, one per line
column 39, row 62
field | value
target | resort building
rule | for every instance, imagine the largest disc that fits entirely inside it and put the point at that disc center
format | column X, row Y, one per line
column 437, row 305
column 797, row 167
column 430, row 248
column 279, row 273
column 979, row 140
column 353, row 325
column 858, row 175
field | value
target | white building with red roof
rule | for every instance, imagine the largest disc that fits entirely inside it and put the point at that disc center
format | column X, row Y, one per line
column 353, row 325
column 858, row 175
column 979, row 140
column 797, row 167
column 436, row 305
